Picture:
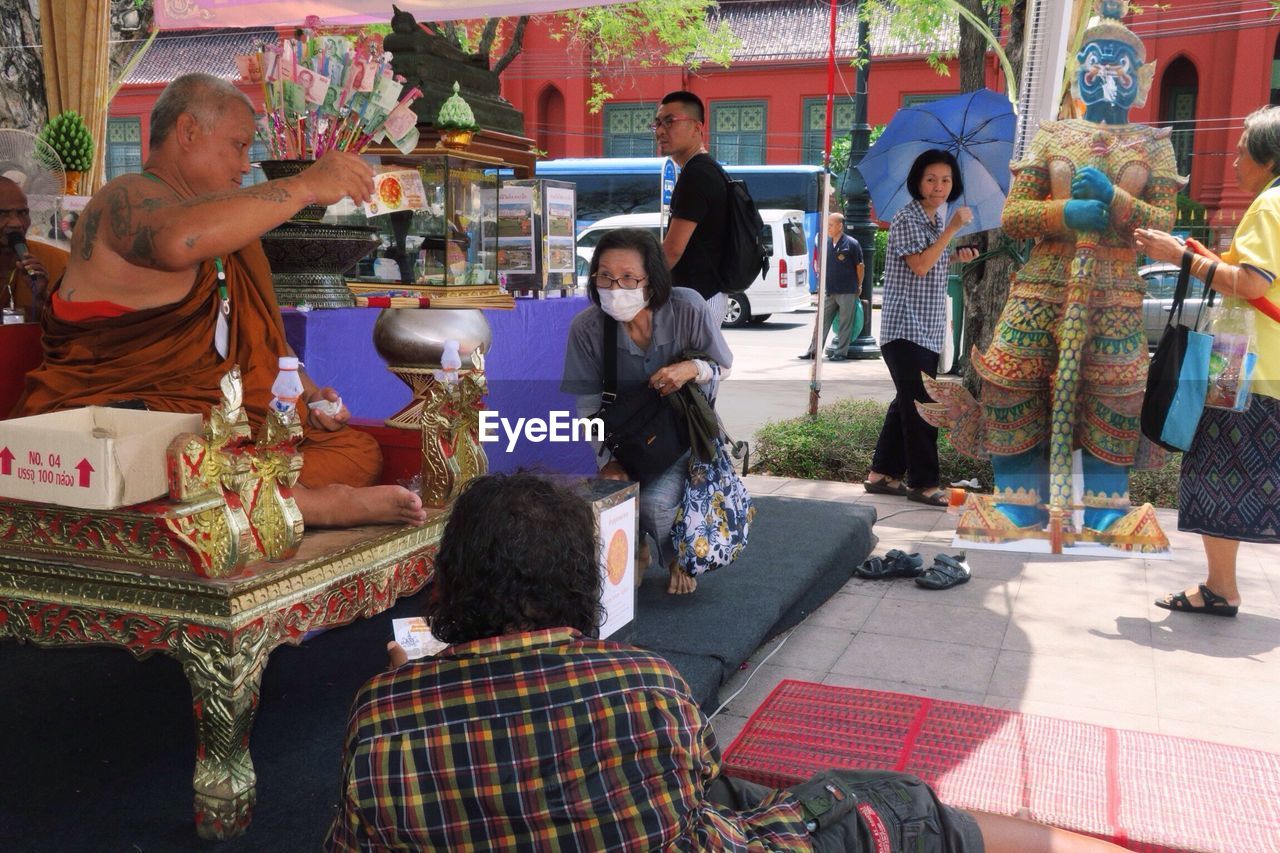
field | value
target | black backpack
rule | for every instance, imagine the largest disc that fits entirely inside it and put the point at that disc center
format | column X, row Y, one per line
column 745, row 255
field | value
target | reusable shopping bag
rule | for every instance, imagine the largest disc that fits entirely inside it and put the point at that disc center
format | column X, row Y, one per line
column 714, row 516
column 1178, row 376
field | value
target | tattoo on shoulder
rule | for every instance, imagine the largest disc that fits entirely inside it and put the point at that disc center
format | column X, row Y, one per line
column 89, row 233
column 134, row 235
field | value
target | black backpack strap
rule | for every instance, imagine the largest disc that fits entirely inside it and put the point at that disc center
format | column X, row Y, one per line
column 610, row 376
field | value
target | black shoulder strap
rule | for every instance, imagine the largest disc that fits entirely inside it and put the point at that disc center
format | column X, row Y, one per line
column 610, row 360
column 724, row 173
column 1180, row 289
column 1206, row 297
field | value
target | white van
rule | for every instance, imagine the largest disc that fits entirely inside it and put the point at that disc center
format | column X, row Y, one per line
column 783, row 288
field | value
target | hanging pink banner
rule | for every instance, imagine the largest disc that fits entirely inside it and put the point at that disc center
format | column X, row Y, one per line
column 203, row 14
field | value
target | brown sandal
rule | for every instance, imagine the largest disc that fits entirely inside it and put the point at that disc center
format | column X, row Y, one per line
column 920, row 496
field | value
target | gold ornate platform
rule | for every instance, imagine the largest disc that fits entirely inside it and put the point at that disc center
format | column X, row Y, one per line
column 221, row 629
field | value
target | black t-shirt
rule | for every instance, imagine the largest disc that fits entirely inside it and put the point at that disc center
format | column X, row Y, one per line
column 701, row 196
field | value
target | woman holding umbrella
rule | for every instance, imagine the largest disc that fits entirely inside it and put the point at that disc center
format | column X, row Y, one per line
column 912, row 325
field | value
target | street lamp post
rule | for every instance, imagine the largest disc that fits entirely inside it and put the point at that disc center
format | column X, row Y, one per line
column 857, row 201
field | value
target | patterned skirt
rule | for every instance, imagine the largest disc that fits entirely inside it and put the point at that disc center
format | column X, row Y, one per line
column 1230, row 485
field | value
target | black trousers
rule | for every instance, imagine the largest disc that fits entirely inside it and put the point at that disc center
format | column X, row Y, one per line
column 908, row 445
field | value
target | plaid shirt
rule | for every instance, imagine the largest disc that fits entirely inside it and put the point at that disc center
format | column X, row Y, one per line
column 914, row 306
column 541, row 740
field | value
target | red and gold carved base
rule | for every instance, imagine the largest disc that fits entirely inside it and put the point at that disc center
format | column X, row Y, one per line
column 220, row 630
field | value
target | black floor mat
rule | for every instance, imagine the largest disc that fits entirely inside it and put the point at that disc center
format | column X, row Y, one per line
column 98, row 748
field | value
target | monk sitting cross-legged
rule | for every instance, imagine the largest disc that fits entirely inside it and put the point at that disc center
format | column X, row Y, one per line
column 136, row 317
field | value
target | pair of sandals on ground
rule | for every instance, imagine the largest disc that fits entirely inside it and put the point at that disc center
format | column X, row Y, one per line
column 931, row 495
column 947, row 570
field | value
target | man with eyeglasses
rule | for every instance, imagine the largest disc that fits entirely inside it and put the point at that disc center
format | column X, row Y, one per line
column 694, row 244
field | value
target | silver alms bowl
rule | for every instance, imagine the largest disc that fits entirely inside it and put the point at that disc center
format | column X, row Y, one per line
column 414, row 337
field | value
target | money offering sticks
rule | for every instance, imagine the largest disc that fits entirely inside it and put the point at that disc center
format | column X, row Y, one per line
column 326, row 91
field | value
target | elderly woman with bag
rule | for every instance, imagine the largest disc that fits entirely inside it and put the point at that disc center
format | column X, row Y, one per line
column 1229, row 491
column 637, row 336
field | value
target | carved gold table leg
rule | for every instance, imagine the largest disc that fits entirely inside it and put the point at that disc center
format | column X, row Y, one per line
column 225, row 673
column 452, row 454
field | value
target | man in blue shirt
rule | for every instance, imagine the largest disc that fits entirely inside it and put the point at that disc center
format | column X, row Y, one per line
column 844, row 287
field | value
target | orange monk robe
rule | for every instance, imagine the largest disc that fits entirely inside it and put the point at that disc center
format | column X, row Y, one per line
column 54, row 259
column 164, row 357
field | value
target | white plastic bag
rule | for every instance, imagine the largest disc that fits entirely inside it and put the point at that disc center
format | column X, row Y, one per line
column 1232, row 357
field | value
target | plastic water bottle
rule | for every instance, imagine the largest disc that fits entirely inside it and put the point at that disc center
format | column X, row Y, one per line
column 287, row 389
column 451, row 359
column 450, row 363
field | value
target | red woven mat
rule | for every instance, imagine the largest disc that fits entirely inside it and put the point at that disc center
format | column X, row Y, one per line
column 1148, row 792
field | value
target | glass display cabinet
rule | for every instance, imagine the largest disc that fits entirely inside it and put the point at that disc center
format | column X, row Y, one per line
column 453, row 240
column 536, row 241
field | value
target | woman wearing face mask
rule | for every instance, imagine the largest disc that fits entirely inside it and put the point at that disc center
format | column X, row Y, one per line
column 657, row 323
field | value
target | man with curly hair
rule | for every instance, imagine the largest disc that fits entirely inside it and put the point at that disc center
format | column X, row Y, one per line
column 527, row 733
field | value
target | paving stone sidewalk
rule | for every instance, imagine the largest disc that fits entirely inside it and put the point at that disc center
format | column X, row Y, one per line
column 1071, row 637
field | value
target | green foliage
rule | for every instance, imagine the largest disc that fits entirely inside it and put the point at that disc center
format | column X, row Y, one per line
column 921, row 20
column 68, row 136
column 644, row 33
column 841, row 145
column 838, row 444
column 882, row 252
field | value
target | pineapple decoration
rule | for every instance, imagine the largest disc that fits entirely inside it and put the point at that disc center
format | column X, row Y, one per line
column 70, row 139
column 455, row 121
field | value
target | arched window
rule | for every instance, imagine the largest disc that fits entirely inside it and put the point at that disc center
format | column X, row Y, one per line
column 550, row 135
column 1178, row 90
column 1275, row 73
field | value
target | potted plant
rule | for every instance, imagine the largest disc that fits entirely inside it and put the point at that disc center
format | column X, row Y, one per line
column 70, row 140
column 455, row 121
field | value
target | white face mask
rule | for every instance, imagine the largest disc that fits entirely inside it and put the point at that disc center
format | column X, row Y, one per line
column 622, row 305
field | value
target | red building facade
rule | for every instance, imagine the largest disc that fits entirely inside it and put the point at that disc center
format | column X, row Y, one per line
column 1216, row 62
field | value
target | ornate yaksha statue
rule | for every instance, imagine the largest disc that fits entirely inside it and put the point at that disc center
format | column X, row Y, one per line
column 1067, row 366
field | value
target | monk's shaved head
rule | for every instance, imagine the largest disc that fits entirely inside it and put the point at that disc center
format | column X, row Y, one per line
column 202, row 95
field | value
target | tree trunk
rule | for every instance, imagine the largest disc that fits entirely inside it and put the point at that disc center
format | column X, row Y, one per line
column 1015, row 46
column 986, row 287
column 985, row 291
column 973, row 50
column 514, row 48
column 22, row 97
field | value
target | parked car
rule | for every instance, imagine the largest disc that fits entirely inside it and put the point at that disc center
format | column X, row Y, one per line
column 1161, row 281
column 783, row 288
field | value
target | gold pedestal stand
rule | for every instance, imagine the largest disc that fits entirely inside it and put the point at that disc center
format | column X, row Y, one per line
column 446, row 408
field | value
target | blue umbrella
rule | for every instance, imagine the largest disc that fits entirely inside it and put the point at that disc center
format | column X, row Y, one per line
column 977, row 127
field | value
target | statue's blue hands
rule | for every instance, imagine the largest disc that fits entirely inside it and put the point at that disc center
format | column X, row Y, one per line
column 1090, row 183
column 1086, row 215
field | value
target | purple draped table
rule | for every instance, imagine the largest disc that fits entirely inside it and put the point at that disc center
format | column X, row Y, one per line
column 523, row 369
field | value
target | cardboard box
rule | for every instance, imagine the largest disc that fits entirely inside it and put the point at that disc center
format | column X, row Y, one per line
column 92, row 458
